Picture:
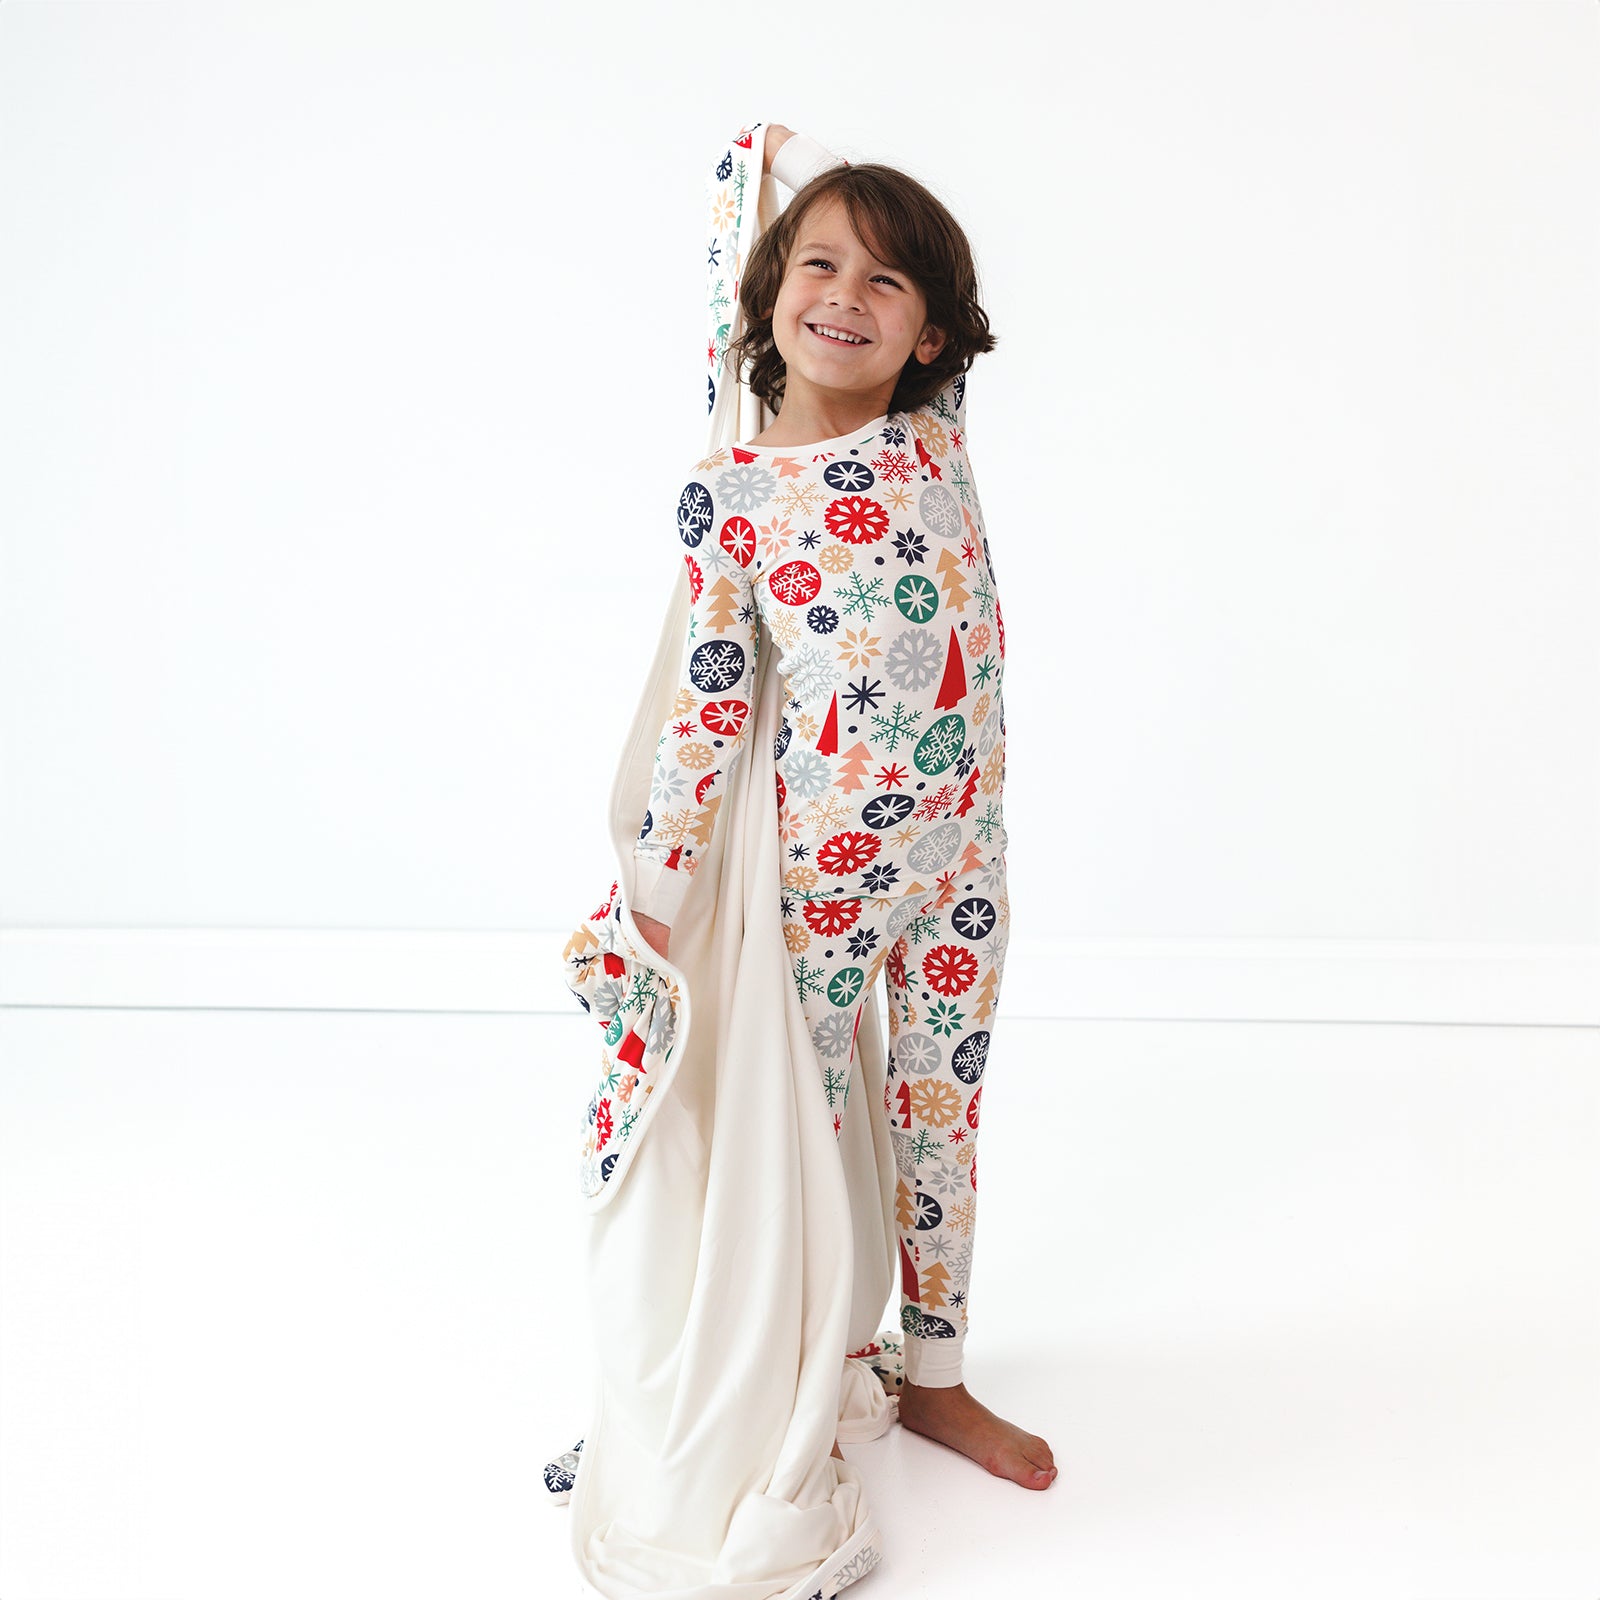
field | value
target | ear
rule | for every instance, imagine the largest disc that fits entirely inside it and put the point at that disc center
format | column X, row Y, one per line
column 930, row 344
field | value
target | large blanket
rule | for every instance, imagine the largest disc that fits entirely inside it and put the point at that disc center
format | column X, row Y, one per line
column 740, row 1254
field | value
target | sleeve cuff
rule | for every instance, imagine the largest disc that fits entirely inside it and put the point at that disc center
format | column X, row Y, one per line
column 799, row 159
column 658, row 890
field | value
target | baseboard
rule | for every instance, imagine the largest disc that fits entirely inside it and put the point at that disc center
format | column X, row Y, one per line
column 1290, row 980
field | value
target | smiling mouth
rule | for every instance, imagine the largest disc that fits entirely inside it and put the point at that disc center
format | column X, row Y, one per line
column 842, row 344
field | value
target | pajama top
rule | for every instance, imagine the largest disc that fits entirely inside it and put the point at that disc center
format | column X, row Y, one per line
column 865, row 559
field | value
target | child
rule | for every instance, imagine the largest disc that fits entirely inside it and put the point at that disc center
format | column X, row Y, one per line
column 851, row 529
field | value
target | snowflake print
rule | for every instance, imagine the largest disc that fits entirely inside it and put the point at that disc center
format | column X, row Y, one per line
column 950, row 969
column 738, row 538
column 931, row 431
column 836, row 559
column 847, row 853
column 944, row 1017
column 893, row 775
column 716, row 665
column 862, row 596
column 826, row 813
column 806, row 773
column 856, row 519
column 858, row 648
column 808, row 979
column 822, row 619
column 914, row 661
column 916, row 597
column 893, row 466
column 810, row 672
column 936, row 803
column 851, row 476
column 746, row 486
column 829, row 918
column 863, row 696
column 881, row 878
column 933, row 1103
column 800, row 499
column 910, row 546
column 833, row 1034
column 795, row 583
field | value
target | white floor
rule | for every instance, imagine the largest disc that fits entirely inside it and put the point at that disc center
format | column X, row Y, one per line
column 289, row 1308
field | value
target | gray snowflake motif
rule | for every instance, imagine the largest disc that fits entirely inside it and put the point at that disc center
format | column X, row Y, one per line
column 810, row 672
column 745, row 487
column 663, row 1028
column 914, row 660
column 831, row 1036
column 806, row 774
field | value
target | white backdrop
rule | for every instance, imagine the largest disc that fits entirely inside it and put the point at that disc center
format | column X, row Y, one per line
column 352, row 365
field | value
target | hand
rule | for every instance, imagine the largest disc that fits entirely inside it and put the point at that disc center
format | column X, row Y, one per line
column 655, row 934
column 776, row 135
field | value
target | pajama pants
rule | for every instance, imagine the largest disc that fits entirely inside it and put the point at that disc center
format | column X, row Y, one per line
column 944, row 955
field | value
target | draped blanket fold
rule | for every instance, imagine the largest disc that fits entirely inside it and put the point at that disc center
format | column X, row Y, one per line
column 738, row 1249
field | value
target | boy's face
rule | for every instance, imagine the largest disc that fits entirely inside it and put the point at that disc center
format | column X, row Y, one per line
column 833, row 280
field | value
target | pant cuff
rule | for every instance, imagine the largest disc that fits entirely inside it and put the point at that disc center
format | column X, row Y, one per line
column 933, row 1363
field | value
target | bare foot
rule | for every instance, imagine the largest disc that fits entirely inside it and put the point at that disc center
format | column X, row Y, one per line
column 953, row 1417
column 837, row 1451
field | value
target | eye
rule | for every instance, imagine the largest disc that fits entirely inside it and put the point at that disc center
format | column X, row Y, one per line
column 818, row 261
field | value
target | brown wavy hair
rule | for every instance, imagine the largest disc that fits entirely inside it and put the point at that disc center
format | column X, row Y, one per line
column 907, row 228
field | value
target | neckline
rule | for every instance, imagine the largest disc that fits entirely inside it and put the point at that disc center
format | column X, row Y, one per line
column 865, row 431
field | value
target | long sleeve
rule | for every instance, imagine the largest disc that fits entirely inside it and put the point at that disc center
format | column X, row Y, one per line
column 705, row 736
column 702, row 742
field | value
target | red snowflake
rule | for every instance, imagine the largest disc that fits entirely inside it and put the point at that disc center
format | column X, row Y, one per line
column 895, row 963
column 936, row 804
column 696, row 578
column 725, row 716
column 856, row 519
column 892, row 776
column 602, row 1123
column 795, row 583
column 738, row 538
column 845, row 853
column 950, row 968
column 829, row 918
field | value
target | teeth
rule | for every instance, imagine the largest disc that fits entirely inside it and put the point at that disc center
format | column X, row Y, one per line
column 828, row 333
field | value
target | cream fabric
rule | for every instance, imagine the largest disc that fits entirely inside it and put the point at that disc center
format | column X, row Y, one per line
column 746, row 1247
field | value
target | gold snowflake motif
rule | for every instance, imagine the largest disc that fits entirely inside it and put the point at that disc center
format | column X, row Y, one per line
column 630, row 1081
column 980, row 709
column 710, row 463
column 994, row 773
column 836, row 558
column 801, row 877
column 960, row 1215
column 683, row 702
column 589, row 1145
column 826, row 813
column 859, row 649
column 897, row 496
column 978, row 640
column 785, row 627
column 789, row 824
column 799, row 499
column 723, row 212
column 796, row 935
column 676, row 826
column 931, row 431
column 805, row 725
column 696, row 755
